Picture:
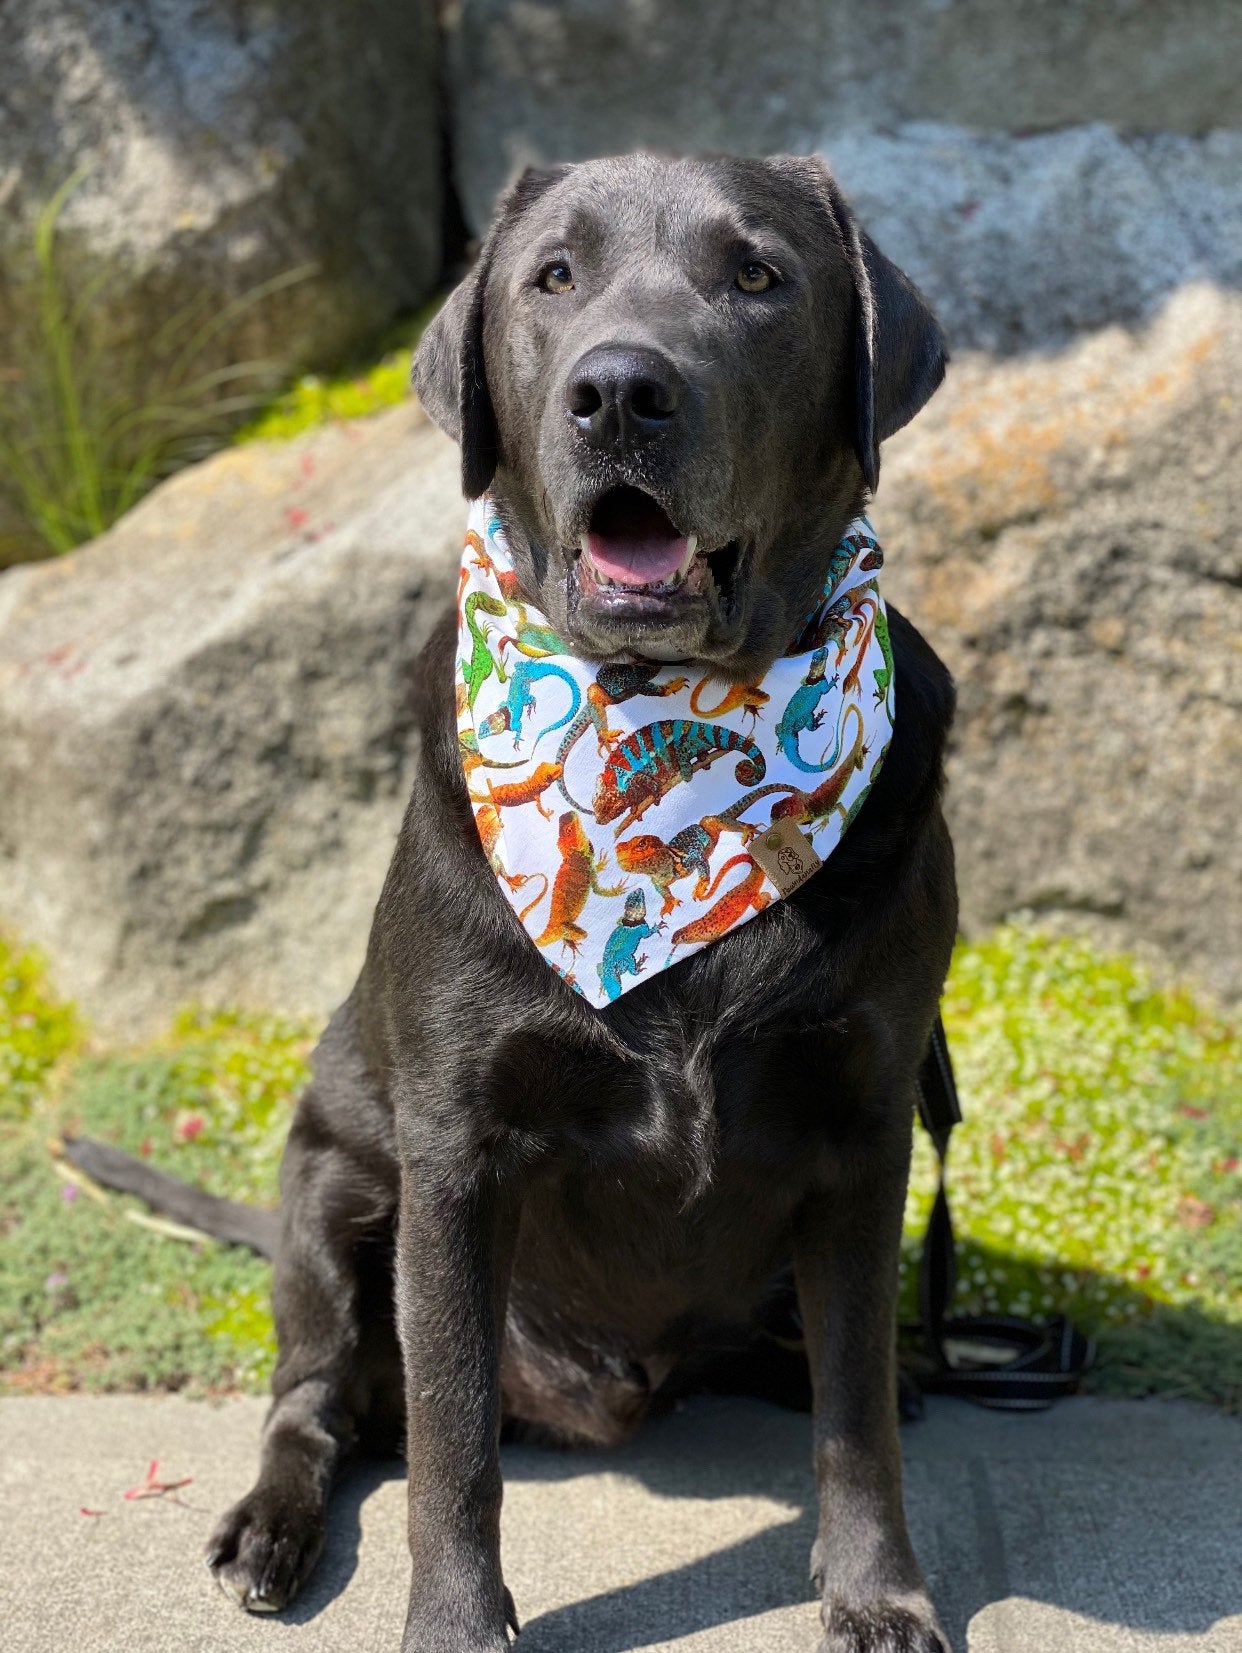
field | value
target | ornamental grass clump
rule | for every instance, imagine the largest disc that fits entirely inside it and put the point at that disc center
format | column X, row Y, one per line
column 84, row 431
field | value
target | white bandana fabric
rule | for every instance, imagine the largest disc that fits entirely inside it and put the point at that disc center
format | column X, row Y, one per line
column 619, row 804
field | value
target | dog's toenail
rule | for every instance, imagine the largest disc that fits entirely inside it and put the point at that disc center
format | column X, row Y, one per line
column 236, row 1596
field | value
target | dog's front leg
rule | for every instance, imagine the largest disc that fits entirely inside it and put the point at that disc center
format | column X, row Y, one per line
column 846, row 1249
column 454, row 1253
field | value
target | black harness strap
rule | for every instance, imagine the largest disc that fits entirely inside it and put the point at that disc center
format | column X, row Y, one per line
column 996, row 1360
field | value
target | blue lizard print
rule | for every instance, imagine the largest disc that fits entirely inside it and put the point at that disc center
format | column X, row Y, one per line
column 802, row 712
column 621, row 955
column 520, row 699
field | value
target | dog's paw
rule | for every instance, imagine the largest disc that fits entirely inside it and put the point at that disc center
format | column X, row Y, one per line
column 262, row 1551
column 905, row 1624
column 433, row 1626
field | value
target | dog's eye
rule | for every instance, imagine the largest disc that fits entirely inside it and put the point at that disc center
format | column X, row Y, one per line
column 557, row 278
column 754, row 277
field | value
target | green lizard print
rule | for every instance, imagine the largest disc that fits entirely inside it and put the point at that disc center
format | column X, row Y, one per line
column 481, row 663
column 532, row 639
column 883, row 674
column 848, row 816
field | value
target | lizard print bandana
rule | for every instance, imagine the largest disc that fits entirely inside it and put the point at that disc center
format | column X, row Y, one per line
column 633, row 812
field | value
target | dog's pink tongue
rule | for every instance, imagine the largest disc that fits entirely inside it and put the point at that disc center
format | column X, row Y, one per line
column 637, row 561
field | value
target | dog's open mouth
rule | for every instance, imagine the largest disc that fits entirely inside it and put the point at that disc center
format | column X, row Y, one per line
column 631, row 554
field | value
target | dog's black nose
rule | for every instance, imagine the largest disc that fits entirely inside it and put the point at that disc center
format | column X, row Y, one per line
column 622, row 395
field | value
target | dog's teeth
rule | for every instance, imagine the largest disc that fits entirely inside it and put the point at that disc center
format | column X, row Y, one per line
column 692, row 545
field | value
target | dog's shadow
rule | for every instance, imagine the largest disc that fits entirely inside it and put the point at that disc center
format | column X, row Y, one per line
column 761, row 1453
column 975, row 1551
column 363, row 1476
column 987, row 1521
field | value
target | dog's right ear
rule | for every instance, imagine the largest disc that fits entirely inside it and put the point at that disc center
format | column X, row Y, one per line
column 449, row 372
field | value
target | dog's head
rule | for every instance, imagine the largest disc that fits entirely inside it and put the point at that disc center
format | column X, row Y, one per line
column 674, row 376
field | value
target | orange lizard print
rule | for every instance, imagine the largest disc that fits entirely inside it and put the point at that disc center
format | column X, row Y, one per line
column 730, row 909
column 665, row 863
column 479, row 556
column 867, row 602
column 487, row 819
column 745, row 697
column 577, row 875
column 598, row 703
column 512, row 794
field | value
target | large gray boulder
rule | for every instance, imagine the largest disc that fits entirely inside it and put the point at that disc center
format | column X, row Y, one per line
column 1068, row 532
column 1041, row 170
column 1027, row 242
column 734, row 75
column 563, row 79
column 205, row 736
column 221, row 147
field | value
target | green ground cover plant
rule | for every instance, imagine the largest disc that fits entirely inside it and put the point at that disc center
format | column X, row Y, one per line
column 1099, row 1168
column 1099, row 1171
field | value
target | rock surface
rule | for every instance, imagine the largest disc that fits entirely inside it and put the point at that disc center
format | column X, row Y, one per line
column 223, row 146
column 204, row 728
column 1040, row 170
column 204, row 722
column 1068, row 532
column 564, row 78
column 1022, row 242
column 1027, row 242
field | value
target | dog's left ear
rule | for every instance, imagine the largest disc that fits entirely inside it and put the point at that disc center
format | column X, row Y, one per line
column 900, row 352
column 449, row 371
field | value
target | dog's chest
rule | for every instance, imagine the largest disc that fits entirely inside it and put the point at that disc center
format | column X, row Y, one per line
column 719, row 1069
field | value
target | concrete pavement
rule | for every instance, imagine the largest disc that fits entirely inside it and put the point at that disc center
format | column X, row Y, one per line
column 1100, row 1527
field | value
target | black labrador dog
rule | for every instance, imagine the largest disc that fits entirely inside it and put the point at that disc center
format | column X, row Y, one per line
column 498, row 1202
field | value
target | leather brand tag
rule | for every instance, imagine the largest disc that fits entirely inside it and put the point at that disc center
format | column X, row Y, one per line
column 785, row 855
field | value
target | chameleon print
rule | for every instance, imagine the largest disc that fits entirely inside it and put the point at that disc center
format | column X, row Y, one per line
column 639, row 770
